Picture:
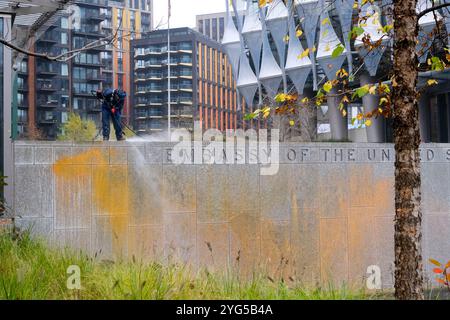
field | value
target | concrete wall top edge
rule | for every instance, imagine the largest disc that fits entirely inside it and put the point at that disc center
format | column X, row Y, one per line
column 170, row 144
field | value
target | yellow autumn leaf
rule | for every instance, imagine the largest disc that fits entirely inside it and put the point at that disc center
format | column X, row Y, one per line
column 432, row 82
column 383, row 101
column 299, row 33
column 328, row 86
column 325, row 21
column 368, row 123
column 360, row 116
column 344, row 113
column 435, row 262
column 304, row 54
column 305, row 100
column 263, row 3
column 373, row 90
column 292, row 123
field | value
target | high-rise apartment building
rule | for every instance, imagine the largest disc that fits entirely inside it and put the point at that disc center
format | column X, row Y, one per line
column 202, row 85
column 48, row 91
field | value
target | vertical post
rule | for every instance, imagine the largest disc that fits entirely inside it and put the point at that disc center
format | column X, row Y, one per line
column 8, row 157
column 169, row 93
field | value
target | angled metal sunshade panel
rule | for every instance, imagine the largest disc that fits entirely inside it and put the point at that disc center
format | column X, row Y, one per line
column 270, row 74
column 231, row 42
column 252, row 34
column 371, row 16
column 345, row 12
column 247, row 83
column 298, row 68
column 309, row 12
column 328, row 41
column 427, row 23
column 277, row 23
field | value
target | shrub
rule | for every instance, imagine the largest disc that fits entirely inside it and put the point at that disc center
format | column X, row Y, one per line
column 78, row 130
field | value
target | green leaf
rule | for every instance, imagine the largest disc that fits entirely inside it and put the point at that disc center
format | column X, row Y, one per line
column 338, row 51
column 356, row 32
column 361, row 92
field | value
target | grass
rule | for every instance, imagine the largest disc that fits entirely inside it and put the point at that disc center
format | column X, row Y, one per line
column 30, row 270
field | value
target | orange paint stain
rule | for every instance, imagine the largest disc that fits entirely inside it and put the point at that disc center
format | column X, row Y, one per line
column 110, row 191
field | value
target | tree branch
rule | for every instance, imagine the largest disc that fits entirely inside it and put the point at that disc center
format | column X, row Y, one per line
column 434, row 8
column 66, row 56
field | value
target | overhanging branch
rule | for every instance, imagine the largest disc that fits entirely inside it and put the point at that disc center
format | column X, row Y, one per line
column 432, row 9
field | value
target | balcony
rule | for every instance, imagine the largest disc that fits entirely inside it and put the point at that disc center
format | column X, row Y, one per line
column 22, row 119
column 47, row 103
column 22, row 104
column 185, row 87
column 95, row 64
column 48, row 86
column 89, row 30
column 47, row 70
column 94, row 16
column 95, row 77
column 93, row 3
column 185, row 100
column 50, row 37
column 185, row 74
column 48, row 120
column 82, row 92
column 155, row 102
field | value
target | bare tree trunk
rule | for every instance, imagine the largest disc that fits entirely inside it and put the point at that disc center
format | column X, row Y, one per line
column 409, row 281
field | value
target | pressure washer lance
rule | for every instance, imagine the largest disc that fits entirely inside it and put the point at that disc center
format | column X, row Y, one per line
column 101, row 98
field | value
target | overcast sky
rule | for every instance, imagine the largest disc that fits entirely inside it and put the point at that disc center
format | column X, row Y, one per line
column 184, row 11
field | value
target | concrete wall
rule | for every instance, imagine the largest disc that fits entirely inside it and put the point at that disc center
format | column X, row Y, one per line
column 327, row 215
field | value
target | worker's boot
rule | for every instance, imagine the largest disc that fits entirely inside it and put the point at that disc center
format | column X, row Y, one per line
column 121, row 139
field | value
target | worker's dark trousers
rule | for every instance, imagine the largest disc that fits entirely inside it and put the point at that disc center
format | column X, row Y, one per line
column 107, row 115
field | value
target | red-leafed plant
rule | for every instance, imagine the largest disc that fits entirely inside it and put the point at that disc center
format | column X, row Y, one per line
column 443, row 272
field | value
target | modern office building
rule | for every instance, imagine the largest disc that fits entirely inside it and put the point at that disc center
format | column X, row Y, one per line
column 202, row 83
column 212, row 25
column 48, row 91
column 278, row 59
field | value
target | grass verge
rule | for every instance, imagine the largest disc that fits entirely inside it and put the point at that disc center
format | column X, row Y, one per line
column 31, row 270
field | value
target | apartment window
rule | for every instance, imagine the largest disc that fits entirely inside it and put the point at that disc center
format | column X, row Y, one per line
column 64, row 69
column 21, row 83
column 208, row 28
column 221, row 27
column 64, row 101
column 64, row 23
column 200, row 26
column 64, row 117
column 214, row 29
column 23, row 66
column 20, row 99
column 64, row 38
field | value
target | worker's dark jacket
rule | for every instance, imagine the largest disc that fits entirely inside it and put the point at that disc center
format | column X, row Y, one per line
column 112, row 107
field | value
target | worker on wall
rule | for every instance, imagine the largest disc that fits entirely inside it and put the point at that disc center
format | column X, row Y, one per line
column 112, row 107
